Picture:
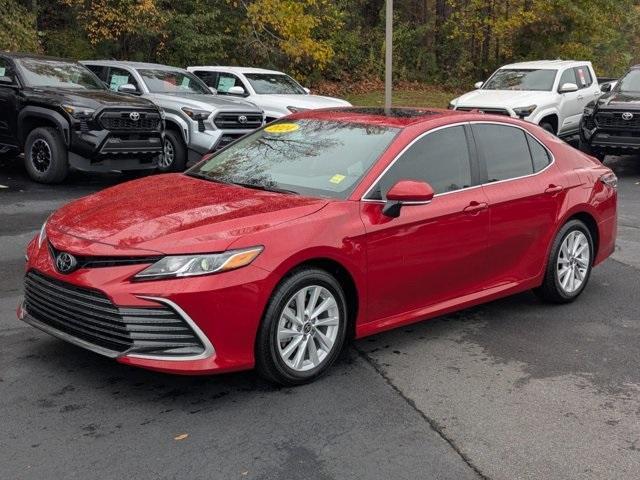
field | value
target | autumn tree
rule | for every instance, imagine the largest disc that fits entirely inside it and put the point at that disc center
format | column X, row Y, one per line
column 17, row 28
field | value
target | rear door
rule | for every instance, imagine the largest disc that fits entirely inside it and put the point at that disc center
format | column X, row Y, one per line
column 524, row 190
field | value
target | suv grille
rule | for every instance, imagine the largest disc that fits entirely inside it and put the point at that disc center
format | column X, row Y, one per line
column 90, row 316
column 492, row 111
column 121, row 120
column 238, row 121
column 615, row 120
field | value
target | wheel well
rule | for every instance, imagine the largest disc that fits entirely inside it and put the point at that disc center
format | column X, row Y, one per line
column 169, row 125
column 592, row 225
column 31, row 123
column 346, row 282
column 552, row 119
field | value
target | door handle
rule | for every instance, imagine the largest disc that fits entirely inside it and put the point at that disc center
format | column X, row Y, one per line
column 553, row 189
column 580, row 97
column 475, row 207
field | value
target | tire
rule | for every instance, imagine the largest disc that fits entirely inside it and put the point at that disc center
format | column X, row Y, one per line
column 586, row 148
column 556, row 287
column 175, row 153
column 548, row 127
column 45, row 156
column 278, row 358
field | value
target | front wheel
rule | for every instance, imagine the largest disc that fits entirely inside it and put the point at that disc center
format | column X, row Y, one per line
column 569, row 265
column 548, row 127
column 174, row 158
column 303, row 329
column 45, row 155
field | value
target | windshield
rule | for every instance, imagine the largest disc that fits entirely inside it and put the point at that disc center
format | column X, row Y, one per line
column 274, row 84
column 40, row 72
column 173, row 81
column 630, row 82
column 310, row 157
column 521, row 79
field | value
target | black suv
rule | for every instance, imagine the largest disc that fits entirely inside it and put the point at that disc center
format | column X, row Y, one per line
column 62, row 116
column 611, row 124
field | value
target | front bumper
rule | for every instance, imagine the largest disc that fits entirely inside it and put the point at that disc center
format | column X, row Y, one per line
column 223, row 311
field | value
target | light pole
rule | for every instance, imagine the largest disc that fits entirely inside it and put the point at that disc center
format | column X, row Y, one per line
column 388, row 57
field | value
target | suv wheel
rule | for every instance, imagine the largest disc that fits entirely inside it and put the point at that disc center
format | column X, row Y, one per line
column 45, row 155
column 175, row 153
column 586, row 148
column 569, row 265
column 303, row 329
column 548, row 127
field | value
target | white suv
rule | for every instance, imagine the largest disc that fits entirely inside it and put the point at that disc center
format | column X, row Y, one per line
column 550, row 93
column 275, row 92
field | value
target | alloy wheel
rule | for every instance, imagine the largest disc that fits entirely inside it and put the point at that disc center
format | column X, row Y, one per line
column 166, row 160
column 574, row 261
column 308, row 328
column 40, row 155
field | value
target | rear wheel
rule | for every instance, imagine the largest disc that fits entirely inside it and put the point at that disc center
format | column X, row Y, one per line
column 175, row 153
column 304, row 328
column 45, row 155
column 569, row 265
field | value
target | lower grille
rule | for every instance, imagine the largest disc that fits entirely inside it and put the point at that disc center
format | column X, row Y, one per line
column 121, row 120
column 615, row 120
column 492, row 111
column 238, row 121
column 90, row 316
column 227, row 139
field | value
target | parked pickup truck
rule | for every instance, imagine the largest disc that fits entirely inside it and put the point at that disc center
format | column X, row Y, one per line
column 62, row 117
column 611, row 124
column 550, row 93
column 197, row 120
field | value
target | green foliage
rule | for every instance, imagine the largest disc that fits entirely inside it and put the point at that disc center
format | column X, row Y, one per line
column 17, row 28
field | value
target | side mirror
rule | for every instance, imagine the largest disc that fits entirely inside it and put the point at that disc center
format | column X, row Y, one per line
column 4, row 80
column 605, row 87
column 568, row 88
column 478, row 85
column 128, row 88
column 213, row 90
column 306, row 90
column 236, row 90
column 406, row 192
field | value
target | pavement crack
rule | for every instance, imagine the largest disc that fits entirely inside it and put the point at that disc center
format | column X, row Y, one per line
column 432, row 423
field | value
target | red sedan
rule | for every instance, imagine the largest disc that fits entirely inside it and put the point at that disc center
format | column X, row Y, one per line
column 323, row 226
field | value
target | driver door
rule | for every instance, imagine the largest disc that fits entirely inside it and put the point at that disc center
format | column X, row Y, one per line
column 431, row 253
column 571, row 104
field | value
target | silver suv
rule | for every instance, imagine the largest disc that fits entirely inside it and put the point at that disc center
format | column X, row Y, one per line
column 197, row 120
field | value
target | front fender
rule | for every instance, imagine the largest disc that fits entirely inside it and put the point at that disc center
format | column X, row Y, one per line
column 178, row 121
column 545, row 112
column 56, row 118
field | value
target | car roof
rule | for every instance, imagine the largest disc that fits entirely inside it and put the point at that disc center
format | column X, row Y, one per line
column 19, row 55
column 546, row 64
column 396, row 117
column 224, row 68
column 126, row 63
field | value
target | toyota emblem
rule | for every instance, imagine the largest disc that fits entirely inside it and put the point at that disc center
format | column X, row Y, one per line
column 135, row 116
column 66, row 263
column 242, row 119
column 627, row 116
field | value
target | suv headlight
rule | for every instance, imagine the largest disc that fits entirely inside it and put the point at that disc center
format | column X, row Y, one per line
column 296, row 109
column 525, row 111
column 199, row 264
column 78, row 112
column 195, row 114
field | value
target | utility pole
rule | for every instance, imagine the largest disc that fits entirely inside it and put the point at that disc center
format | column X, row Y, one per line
column 388, row 55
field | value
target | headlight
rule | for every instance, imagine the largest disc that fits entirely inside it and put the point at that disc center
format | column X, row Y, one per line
column 451, row 106
column 162, row 114
column 43, row 233
column 78, row 112
column 524, row 111
column 200, row 264
column 296, row 109
column 195, row 114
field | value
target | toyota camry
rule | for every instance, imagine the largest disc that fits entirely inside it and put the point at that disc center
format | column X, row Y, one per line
column 323, row 226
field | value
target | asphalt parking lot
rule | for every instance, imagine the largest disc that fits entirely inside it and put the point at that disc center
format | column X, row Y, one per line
column 510, row 390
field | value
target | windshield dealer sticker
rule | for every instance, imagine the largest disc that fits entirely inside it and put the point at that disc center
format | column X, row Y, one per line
column 337, row 178
column 282, row 128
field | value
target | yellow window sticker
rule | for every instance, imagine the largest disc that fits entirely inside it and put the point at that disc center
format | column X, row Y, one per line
column 337, row 178
column 282, row 128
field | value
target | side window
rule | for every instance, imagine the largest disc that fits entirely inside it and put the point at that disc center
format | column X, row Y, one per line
column 539, row 154
column 6, row 70
column 99, row 70
column 505, row 151
column 568, row 76
column 226, row 81
column 584, row 76
column 118, row 77
column 440, row 158
column 210, row 79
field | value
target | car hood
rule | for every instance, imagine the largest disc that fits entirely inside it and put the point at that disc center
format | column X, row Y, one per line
column 175, row 213
column 205, row 101
column 619, row 100
column 301, row 101
column 94, row 99
column 500, row 98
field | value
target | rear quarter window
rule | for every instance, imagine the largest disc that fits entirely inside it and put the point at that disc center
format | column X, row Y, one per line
column 505, row 151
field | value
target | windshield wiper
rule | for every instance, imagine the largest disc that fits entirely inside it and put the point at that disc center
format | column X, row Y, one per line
column 266, row 188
